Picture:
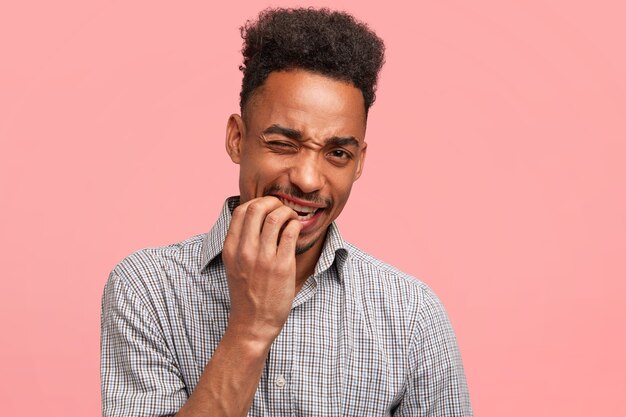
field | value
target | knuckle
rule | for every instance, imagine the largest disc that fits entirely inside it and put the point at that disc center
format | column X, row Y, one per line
column 273, row 218
column 289, row 234
column 255, row 207
column 246, row 255
column 239, row 211
column 264, row 260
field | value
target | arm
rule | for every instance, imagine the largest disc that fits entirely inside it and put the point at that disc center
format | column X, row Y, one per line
column 139, row 374
column 437, row 386
column 260, row 266
column 138, row 369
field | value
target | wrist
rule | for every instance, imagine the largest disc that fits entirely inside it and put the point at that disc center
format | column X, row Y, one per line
column 254, row 340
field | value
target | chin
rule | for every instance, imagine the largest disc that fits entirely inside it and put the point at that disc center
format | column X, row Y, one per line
column 305, row 246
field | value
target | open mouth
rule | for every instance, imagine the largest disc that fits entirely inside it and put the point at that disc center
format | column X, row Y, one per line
column 304, row 212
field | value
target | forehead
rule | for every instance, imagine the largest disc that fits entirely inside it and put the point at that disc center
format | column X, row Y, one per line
column 309, row 102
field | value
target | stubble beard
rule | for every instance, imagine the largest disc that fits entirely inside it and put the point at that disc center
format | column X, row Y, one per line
column 300, row 249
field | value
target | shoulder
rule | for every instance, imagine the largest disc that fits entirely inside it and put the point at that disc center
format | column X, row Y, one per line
column 369, row 271
column 381, row 284
column 150, row 268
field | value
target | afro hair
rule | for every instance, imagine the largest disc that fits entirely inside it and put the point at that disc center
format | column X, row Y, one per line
column 330, row 43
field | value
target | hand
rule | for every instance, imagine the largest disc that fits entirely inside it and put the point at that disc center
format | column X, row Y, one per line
column 259, row 256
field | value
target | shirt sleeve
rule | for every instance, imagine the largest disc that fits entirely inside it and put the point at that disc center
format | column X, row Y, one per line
column 138, row 372
column 437, row 386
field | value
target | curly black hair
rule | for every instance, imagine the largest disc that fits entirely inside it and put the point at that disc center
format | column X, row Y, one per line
column 331, row 43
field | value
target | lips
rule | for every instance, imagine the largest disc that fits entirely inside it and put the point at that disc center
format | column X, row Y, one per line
column 309, row 212
column 304, row 212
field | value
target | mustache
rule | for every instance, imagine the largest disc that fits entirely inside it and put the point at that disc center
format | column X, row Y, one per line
column 296, row 192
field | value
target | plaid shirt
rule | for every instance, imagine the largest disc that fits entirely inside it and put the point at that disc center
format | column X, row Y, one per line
column 362, row 338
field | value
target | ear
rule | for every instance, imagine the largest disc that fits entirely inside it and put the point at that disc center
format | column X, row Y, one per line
column 361, row 161
column 235, row 132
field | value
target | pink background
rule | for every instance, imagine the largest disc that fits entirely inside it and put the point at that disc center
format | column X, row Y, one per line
column 495, row 173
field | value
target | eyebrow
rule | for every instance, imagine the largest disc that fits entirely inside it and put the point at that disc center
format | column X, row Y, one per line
column 284, row 131
column 343, row 141
column 297, row 135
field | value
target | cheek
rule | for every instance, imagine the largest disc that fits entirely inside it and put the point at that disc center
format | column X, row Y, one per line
column 257, row 174
column 342, row 187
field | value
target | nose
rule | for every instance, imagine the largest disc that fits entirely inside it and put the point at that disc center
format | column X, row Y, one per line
column 306, row 173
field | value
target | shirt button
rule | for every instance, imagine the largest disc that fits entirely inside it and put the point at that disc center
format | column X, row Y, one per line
column 280, row 381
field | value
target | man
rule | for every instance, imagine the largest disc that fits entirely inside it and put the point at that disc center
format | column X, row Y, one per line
column 272, row 313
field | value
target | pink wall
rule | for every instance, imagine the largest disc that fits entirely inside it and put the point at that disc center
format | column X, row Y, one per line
column 495, row 172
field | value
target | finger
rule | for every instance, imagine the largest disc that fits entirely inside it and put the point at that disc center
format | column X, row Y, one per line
column 235, row 228
column 274, row 222
column 288, row 239
column 236, row 223
column 255, row 213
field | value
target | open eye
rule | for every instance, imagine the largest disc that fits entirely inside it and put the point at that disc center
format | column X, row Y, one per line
column 339, row 156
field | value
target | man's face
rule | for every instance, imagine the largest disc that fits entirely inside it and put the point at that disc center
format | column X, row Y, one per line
column 303, row 142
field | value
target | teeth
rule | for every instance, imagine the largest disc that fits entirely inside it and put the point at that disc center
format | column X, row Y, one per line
column 301, row 209
column 308, row 216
